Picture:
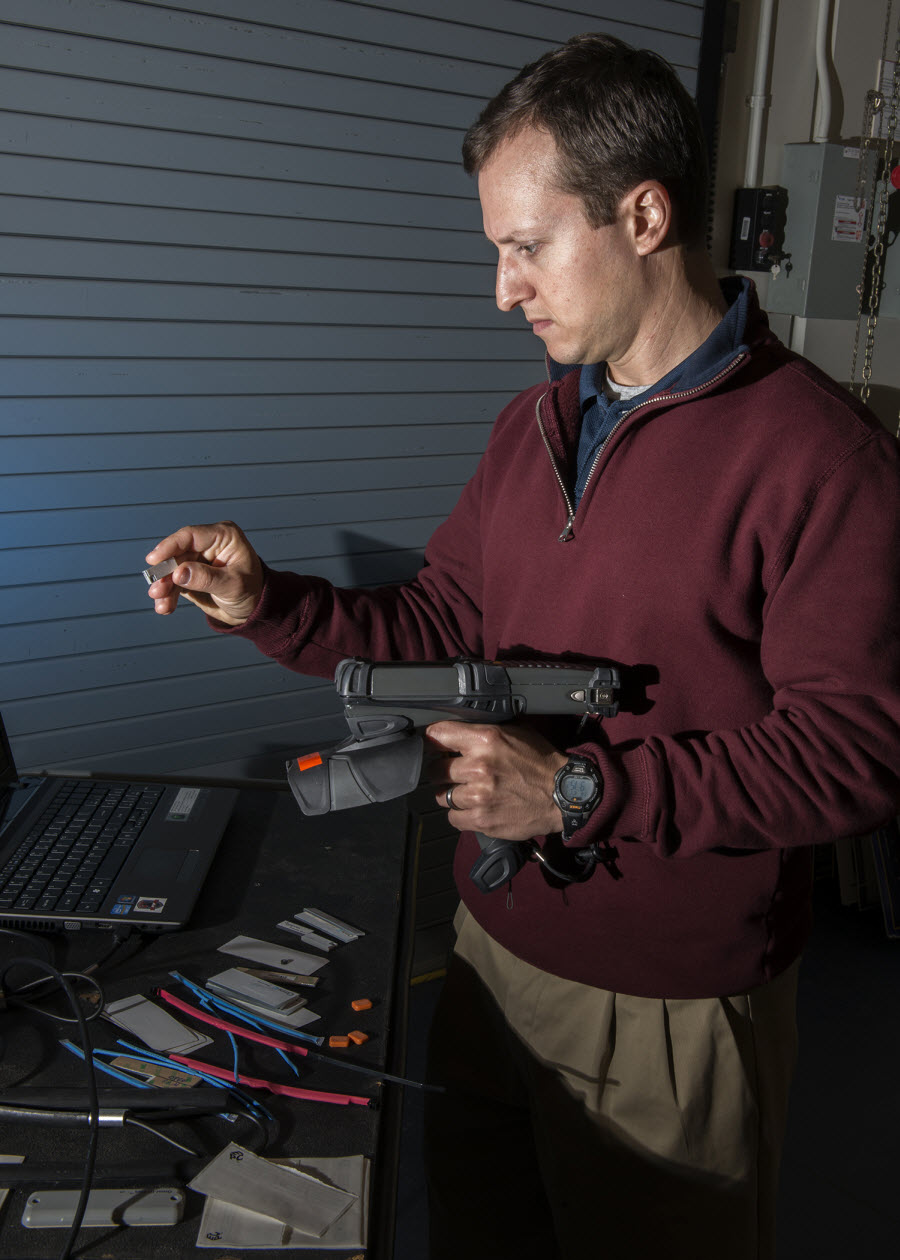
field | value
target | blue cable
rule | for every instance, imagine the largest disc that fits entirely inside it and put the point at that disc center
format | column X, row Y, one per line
column 204, row 1076
column 255, row 1021
column 234, row 1051
column 123, row 1076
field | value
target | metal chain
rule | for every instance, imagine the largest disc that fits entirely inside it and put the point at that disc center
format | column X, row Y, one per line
column 874, row 104
column 864, row 199
column 876, row 252
column 879, row 231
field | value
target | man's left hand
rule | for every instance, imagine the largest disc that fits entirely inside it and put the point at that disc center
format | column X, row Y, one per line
column 501, row 779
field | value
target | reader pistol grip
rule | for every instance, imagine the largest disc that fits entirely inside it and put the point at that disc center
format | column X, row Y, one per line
column 497, row 862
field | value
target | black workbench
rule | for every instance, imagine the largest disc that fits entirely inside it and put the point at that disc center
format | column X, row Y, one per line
column 273, row 861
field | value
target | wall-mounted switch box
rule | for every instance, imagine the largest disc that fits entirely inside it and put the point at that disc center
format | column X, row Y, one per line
column 757, row 235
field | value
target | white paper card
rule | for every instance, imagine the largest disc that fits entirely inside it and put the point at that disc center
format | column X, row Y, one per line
column 268, row 954
column 224, row 1225
column 154, row 1026
column 286, row 1193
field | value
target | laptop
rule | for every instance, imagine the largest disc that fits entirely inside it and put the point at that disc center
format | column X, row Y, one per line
column 78, row 852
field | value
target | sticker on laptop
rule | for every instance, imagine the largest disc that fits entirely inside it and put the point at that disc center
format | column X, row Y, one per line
column 151, row 905
column 183, row 805
column 121, row 907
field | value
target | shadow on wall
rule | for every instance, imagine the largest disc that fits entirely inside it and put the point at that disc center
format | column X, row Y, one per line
column 372, row 561
column 884, row 400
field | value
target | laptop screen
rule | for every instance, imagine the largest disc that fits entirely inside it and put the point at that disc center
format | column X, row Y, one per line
column 14, row 794
column 7, row 773
column 7, row 765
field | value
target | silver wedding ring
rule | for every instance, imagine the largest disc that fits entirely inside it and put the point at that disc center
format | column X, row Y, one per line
column 450, row 797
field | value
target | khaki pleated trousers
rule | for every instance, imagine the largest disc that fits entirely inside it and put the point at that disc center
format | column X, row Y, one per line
column 577, row 1122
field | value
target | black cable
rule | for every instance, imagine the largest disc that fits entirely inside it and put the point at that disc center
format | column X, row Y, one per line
column 120, row 936
column 94, row 1113
column 247, row 1114
column 17, row 995
column 587, row 859
column 15, row 999
column 54, row 1115
column 587, row 868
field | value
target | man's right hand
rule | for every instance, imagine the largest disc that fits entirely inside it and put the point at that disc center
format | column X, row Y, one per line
column 218, row 571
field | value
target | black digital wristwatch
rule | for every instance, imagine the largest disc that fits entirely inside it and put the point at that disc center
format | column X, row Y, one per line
column 577, row 791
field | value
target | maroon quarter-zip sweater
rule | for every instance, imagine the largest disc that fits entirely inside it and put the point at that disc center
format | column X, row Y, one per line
column 735, row 553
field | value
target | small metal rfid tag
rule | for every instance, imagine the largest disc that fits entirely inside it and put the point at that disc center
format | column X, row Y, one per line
column 160, row 570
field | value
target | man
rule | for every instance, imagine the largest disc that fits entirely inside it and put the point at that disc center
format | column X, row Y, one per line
column 692, row 502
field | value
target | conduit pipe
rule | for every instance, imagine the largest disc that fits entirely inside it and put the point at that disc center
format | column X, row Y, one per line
column 822, row 126
column 758, row 99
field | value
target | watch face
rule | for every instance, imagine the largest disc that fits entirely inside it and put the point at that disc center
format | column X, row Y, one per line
column 577, row 788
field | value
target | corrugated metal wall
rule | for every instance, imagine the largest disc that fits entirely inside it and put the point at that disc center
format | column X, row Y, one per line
column 242, row 275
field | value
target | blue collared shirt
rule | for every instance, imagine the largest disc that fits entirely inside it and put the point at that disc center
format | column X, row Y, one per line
column 600, row 414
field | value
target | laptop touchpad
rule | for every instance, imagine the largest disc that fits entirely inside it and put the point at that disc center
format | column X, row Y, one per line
column 170, row 864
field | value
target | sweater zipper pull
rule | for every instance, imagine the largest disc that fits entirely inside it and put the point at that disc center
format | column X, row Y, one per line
column 568, row 533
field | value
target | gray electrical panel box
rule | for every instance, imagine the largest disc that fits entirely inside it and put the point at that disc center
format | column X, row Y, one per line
column 824, row 239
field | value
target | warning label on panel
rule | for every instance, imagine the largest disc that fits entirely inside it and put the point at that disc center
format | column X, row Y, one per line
column 848, row 221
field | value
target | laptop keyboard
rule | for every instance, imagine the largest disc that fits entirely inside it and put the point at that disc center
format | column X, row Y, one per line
column 75, row 849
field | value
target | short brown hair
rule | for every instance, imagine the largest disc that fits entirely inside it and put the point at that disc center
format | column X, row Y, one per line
column 618, row 115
